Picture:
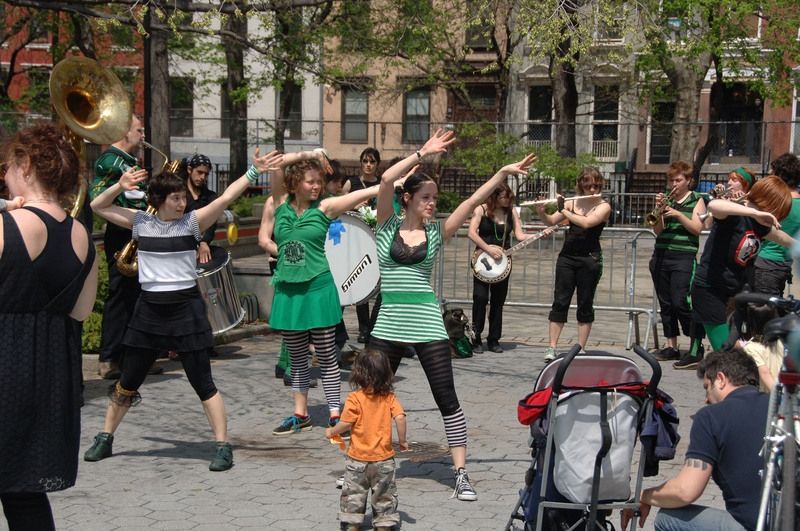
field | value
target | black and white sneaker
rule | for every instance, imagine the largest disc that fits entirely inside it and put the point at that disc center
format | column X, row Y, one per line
column 340, row 482
column 464, row 490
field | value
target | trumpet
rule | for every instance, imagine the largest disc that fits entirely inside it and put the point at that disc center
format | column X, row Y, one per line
column 721, row 191
column 655, row 215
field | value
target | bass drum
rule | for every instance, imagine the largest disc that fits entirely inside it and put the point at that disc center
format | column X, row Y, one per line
column 353, row 259
column 216, row 284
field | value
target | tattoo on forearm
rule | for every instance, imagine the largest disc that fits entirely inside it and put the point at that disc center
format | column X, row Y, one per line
column 696, row 463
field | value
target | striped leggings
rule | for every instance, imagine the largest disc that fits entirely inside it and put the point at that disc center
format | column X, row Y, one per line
column 438, row 367
column 325, row 349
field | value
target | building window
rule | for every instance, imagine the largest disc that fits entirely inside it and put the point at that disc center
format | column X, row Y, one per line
column 480, row 29
column 737, row 134
column 38, row 93
column 540, row 107
column 605, row 121
column 355, row 106
column 416, row 116
column 181, row 106
column 294, row 120
column 661, row 116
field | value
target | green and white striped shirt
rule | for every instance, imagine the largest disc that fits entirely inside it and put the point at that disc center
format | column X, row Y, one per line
column 410, row 312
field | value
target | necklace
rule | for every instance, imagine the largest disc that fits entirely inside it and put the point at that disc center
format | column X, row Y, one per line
column 43, row 201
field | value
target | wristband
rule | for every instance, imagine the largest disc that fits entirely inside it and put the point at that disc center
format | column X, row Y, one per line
column 252, row 174
column 3, row 205
column 419, row 156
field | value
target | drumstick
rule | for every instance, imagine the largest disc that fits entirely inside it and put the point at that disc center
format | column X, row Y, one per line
column 544, row 201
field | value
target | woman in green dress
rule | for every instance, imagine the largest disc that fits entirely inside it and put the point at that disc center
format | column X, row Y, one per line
column 305, row 305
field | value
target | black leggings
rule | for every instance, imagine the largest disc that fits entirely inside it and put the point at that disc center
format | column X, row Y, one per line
column 26, row 511
column 437, row 364
column 197, row 365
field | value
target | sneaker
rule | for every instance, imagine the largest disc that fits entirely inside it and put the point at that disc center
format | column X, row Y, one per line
column 101, row 448
column 340, row 482
column 333, row 421
column 668, row 354
column 477, row 347
column 687, row 362
column 344, row 526
column 464, row 490
column 495, row 347
column 223, row 460
column 293, row 424
column 549, row 354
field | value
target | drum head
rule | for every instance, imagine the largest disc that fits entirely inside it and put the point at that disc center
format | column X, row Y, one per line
column 219, row 257
column 353, row 259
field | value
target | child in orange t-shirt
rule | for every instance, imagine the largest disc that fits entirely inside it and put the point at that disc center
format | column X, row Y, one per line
column 368, row 414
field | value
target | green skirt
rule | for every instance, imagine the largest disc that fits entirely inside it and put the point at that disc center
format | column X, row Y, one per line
column 305, row 305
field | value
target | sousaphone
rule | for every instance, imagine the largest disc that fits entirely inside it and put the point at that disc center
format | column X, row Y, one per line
column 93, row 105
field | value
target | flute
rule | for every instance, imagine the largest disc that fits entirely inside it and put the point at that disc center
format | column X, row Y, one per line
column 545, row 201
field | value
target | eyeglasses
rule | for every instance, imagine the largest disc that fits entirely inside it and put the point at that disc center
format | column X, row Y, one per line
column 369, row 161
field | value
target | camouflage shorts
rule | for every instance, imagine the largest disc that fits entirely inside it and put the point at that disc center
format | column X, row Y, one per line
column 359, row 478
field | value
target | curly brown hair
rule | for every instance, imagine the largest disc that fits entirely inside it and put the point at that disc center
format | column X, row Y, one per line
column 48, row 155
column 680, row 167
column 372, row 372
column 772, row 195
column 294, row 173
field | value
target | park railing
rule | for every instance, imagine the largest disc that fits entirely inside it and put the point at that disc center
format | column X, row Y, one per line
column 624, row 287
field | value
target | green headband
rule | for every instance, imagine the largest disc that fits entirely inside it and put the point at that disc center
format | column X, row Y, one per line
column 744, row 175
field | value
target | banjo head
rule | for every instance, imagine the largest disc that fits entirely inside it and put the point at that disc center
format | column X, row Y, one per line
column 489, row 270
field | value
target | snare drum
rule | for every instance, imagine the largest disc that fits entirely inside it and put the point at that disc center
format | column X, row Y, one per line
column 353, row 259
column 216, row 284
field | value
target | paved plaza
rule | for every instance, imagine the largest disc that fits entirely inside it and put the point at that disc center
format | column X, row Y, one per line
column 159, row 478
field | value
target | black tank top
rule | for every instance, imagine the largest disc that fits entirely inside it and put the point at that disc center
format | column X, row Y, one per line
column 495, row 233
column 582, row 242
column 57, row 264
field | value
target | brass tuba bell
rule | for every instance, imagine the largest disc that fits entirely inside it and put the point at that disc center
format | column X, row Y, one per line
column 93, row 104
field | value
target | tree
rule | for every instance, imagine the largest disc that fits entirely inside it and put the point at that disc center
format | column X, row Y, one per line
column 684, row 38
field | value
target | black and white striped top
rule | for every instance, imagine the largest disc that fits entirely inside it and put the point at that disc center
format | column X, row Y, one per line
column 167, row 251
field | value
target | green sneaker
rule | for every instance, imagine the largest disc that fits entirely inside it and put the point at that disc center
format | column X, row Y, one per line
column 293, row 424
column 223, row 460
column 549, row 354
column 101, row 448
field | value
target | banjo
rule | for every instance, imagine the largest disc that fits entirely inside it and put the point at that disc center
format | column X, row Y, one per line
column 487, row 269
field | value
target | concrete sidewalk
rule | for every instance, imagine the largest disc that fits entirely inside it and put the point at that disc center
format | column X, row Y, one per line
column 159, row 478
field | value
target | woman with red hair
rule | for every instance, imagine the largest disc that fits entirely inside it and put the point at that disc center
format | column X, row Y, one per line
column 729, row 252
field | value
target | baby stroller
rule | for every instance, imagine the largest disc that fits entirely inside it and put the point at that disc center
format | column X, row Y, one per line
column 585, row 414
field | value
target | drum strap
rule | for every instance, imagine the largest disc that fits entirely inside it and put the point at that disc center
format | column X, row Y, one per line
column 408, row 297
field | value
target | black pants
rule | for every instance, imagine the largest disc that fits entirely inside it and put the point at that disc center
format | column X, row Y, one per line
column 769, row 276
column 438, row 366
column 673, row 275
column 362, row 312
column 576, row 272
column 197, row 366
column 27, row 511
column 495, row 296
column 123, row 292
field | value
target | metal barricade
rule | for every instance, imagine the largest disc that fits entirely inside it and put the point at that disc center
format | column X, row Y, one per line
column 625, row 285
